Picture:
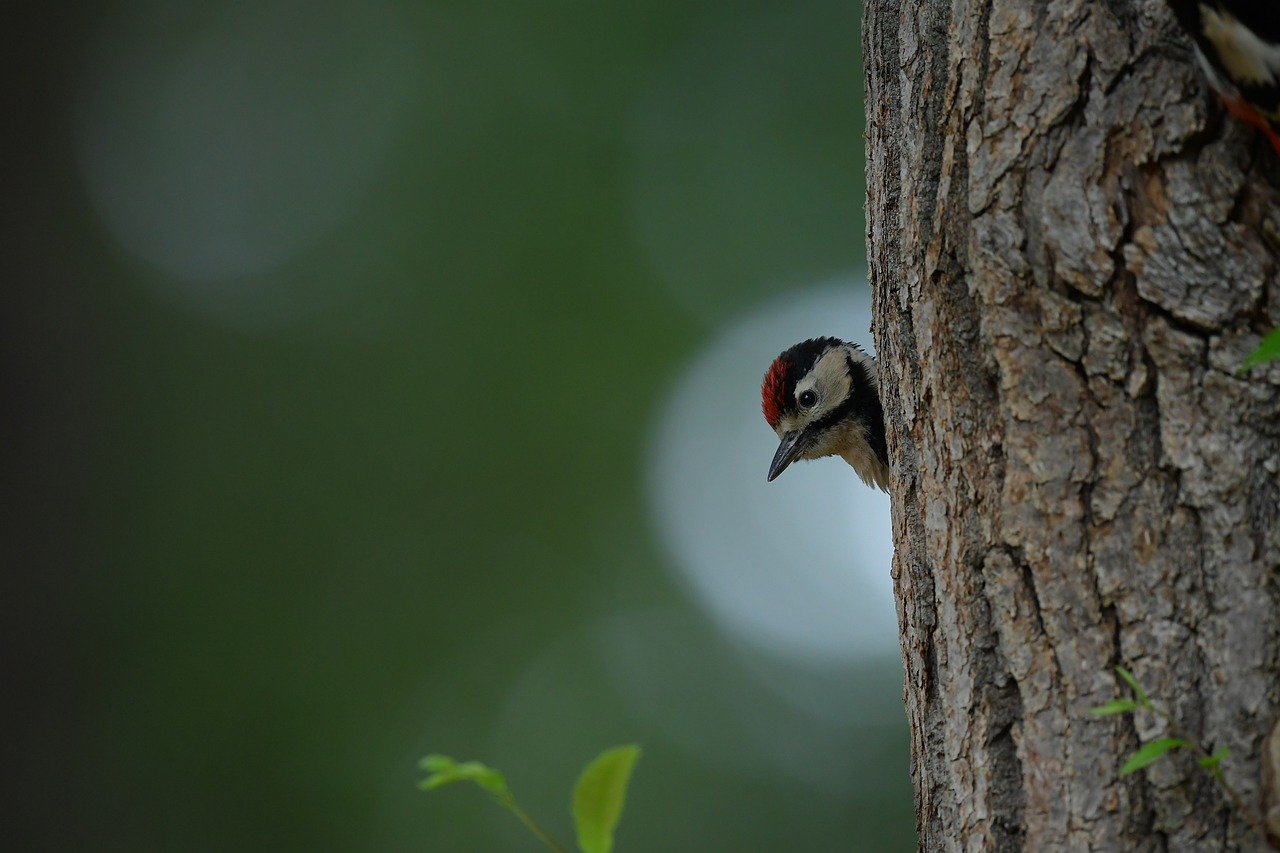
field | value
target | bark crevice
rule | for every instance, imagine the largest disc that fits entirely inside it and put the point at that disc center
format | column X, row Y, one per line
column 1069, row 254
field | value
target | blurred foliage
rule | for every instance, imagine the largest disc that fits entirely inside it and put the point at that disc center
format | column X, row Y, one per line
column 276, row 536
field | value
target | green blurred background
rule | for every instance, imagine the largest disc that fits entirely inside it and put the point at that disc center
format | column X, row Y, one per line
column 346, row 348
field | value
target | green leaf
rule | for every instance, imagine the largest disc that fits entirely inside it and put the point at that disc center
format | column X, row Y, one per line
column 599, row 795
column 1137, row 688
column 1115, row 706
column 444, row 770
column 1268, row 350
column 1149, row 753
column 1211, row 761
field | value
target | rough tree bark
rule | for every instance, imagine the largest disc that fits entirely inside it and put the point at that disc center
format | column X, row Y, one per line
column 1071, row 252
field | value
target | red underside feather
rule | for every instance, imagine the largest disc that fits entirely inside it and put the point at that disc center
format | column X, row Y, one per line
column 1247, row 114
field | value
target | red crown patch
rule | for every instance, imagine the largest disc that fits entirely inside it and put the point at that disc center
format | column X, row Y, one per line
column 773, row 392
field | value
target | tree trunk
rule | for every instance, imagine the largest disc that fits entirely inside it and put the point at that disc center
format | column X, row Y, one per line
column 1071, row 251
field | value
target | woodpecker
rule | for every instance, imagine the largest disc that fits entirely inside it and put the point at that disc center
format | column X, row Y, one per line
column 822, row 398
column 1237, row 44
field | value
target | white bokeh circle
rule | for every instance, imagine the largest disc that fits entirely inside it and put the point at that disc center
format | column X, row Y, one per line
column 799, row 565
column 218, row 148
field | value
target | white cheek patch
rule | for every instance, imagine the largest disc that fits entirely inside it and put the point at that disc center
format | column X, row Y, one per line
column 1247, row 58
column 831, row 381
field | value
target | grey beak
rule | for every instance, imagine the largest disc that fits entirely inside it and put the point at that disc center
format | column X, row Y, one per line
column 788, row 450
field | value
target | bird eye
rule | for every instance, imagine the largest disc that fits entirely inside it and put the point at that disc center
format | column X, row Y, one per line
column 808, row 398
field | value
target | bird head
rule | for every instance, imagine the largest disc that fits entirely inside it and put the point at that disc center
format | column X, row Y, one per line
column 821, row 397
